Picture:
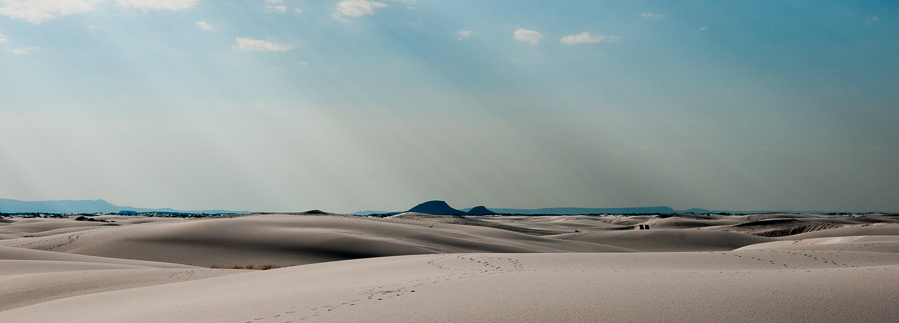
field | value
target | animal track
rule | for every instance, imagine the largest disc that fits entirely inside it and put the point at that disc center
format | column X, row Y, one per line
column 61, row 240
column 454, row 266
column 801, row 258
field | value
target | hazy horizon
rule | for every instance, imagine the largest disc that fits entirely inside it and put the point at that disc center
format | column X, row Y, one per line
column 345, row 106
column 102, row 206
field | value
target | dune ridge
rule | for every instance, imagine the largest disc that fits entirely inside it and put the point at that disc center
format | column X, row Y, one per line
column 418, row 267
column 687, row 287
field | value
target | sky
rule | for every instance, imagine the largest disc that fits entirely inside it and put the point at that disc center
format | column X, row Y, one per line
column 343, row 106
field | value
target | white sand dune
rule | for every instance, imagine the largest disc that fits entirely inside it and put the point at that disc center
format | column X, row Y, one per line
column 778, row 225
column 441, row 269
column 44, row 227
column 694, row 222
column 663, row 240
column 286, row 240
column 868, row 230
column 771, row 286
column 33, row 276
column 563, row 223
column 877, row 243
column 24, row 254
column 53, row 280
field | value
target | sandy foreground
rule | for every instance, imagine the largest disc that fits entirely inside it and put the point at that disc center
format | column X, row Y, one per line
column 420, row 268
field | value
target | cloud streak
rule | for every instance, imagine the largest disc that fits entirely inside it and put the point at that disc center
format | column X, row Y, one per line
column 650, row 15
column 24, row 50
column 159, row 4
column 249, row 44
column 357, row 8
column 38, row 11
column 586, row 37
column 527, row 36
column 203, row 25
column 465, row 34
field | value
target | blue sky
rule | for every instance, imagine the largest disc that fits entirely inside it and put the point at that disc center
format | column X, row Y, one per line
column 355, row 105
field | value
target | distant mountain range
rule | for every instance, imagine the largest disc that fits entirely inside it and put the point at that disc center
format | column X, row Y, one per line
column 429, row 207
column 83, row 206
column 442, row 208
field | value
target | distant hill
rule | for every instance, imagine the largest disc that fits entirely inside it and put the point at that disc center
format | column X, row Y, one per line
column 480, row 210
column 82, row 206
column 372, row 212
column 436, row 208
column 568, row 210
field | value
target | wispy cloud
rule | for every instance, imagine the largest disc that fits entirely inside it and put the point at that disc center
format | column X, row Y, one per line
column 38, row 11
column 464, row 34
column 275, row 5
column 528, row 36
column 650, row 15
column 871, row 20
column 357, row 8
column 203, row 25
column 260, row 45
column 24, row 50
column 278, row 6
column 586, row 37
column 3, row 39
column 159, row 4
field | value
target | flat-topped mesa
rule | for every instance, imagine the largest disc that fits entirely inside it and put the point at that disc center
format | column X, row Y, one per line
column 436, row 208
column 480, row 210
